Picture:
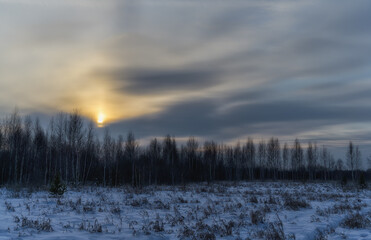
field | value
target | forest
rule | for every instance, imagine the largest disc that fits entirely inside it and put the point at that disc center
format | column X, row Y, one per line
column 69, row 146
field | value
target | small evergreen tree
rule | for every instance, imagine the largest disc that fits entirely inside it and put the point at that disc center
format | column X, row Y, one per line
column 362, row 181
column 344, row 181
column 57, row 188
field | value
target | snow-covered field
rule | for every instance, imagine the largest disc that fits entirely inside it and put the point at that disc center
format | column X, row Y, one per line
column 200, row 211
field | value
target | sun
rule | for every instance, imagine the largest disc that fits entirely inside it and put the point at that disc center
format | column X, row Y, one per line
column 100, row 119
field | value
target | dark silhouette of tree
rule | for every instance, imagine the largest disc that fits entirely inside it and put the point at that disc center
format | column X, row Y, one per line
column 131, row 154
column 351, row 158
column 311, row 160
column 192, row 156
column 297, row 158
column 285, row 159
column 262, row 158
column 249, row 154
column 154, row 153
column 31, row 154
column 339, row 165
column 273, row 156
column 107, row 155
column 210, row 151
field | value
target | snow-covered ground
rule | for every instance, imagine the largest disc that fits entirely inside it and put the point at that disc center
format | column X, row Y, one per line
column 200, row 211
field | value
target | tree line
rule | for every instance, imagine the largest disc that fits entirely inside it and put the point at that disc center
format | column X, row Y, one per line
column 69, row 147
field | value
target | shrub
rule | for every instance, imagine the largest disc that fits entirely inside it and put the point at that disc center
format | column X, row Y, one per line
column 96, row 228
column 206, row 236
column 322, row 234
column 339, row 209
column 257, row 217
column 116, row 210
column 57, row 188
column 356, row 221
column 295, row 204
column 139, row 202
column 186, row 233
column 253, row 199
column 227, row 228
column 38, row 224
column 271, row 200
column 9, row 206
column 158, row 226
column 274, row 230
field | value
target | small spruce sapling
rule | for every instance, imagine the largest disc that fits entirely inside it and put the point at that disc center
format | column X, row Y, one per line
column 362, row 181
column 57, row 188
column 344, row 181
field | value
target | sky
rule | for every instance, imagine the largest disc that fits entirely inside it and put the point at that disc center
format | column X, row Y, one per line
column 213, row 69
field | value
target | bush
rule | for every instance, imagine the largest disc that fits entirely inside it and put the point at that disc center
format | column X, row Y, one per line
column 322, row 234
column 253, row 199
column 96, row 228
column 157, row 226
column 295, row 204
column 356, row 221
column 257, row 217
column 206, row 236
column 57, row 188
column 39, row 224
column 227, row 228
column 275, row 231
column 186, row 233
column 9, row 206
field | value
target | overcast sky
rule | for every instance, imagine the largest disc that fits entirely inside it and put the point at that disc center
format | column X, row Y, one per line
column 213, row 69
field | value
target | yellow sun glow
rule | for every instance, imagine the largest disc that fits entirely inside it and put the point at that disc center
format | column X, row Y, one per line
column 100, row 119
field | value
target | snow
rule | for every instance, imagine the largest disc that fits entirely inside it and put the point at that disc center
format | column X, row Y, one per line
column 202, row 211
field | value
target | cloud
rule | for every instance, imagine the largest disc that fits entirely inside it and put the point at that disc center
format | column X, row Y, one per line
column 282, row 118
column 216, row 69
column 152, row 81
